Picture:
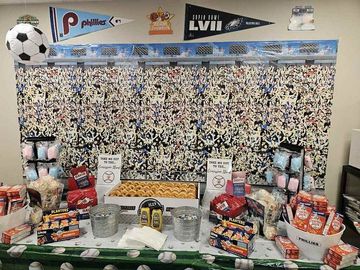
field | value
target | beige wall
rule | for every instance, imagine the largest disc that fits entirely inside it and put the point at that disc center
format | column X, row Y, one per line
column 334, row 20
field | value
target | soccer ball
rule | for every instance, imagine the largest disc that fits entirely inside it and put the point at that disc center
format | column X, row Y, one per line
column 27, row 44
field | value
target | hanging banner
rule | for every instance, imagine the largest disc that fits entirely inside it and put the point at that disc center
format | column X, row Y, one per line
column 160, row 22
column 67, row 23
column 204, row 22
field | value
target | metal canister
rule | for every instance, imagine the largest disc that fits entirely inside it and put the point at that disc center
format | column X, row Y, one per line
column 187, row 221
column 105, row 220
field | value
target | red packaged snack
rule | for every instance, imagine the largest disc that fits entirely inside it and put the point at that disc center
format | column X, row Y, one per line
column 303, row 197
column 317, row 222
column 18, row 191
column 343, row 252
column 3, row 206
column 333, row 224
column 14, row 205
column 82, row 200
column 330, row 209
column 73, row 184
column 336, row 266
column 16, row 234
column 302, row 215
column 320, row 203
column 3, row 190
column 287, row 248
column 228, row 205
column 336, row 261
column 80, row 177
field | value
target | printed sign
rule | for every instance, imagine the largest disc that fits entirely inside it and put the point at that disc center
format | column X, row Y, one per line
column 302, row 19
column 67, row 23
column 204, row 22
column 160, row 22
column 28, row 19
column 109, row 169
column 218, row 172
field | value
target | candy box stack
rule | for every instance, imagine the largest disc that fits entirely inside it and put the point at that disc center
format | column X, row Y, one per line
column 341, row 256
column 17, row 233
column 82, row 193
column 234, row 238
column 12, row 198
column 227, row 207
column 58, row 225
column 287, row 248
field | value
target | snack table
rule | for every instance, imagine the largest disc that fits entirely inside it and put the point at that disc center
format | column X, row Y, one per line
column 101, row 252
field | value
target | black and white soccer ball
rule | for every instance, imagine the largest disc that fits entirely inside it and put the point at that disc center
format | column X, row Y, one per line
column 27, row 44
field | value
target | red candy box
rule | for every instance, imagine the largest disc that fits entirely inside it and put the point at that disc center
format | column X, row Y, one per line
column 82, row 200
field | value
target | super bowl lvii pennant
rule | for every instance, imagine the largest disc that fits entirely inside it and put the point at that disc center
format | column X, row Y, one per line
column 68, row 23
column 204, row 22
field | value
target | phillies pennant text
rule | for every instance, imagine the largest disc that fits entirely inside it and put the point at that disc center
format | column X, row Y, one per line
column 204, row 22
column 66, row 23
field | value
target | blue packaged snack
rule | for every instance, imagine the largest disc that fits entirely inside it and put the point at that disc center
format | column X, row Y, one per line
column 281, row 160
column 295, row 165
column 269, row 176
column 42, row 149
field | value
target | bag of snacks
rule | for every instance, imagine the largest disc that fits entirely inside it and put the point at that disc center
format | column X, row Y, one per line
column 50, row 191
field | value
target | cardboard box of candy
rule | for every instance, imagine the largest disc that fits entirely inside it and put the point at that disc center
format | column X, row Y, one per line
column 227, row 207
column 234, row 238
column 58, row 225
column 82, row 200
column 287, row 248
column 17, row 233
column 166, row 195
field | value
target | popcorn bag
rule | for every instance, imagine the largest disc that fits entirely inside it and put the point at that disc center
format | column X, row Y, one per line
column 50, row 191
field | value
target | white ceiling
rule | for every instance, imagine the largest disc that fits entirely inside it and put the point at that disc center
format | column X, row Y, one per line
column 8, row 2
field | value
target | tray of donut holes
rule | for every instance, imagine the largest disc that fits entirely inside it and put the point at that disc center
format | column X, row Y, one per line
column 155, row 189
column 131, row 195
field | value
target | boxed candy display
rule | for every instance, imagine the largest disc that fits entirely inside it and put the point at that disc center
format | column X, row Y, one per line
column 80, row 179
column 227, row 207
column 16, row 234
column 333, row 224
column 233, row 238
column 58, row 225
column 12, row 198
column 82, row 200
column 341, row 256
column 287, row 248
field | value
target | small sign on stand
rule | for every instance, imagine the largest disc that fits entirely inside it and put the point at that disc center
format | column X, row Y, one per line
column 218, row 172
column 108, row 173
column 109, row 170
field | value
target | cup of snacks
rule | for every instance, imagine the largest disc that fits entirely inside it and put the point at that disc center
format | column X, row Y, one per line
column 187, row 222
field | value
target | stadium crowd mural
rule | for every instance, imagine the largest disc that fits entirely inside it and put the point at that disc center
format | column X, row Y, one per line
column 166, row 121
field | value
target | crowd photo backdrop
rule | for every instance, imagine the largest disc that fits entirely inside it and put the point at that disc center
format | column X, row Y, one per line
column 166, row 120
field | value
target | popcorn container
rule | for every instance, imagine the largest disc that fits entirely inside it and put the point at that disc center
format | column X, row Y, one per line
column 187, row 221
column 50, row 191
